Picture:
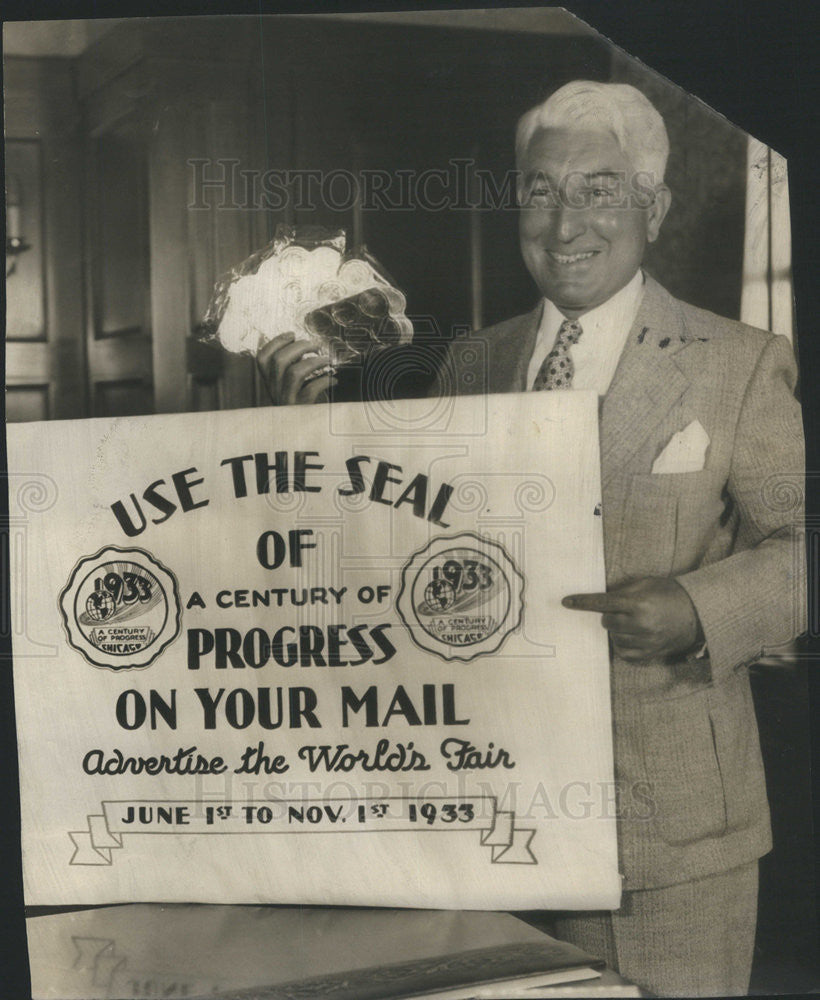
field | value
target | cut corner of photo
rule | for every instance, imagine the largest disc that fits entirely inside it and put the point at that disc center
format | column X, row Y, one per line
column 406, row 550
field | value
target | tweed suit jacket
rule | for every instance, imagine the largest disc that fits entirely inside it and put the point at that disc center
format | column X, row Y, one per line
column 692, row 795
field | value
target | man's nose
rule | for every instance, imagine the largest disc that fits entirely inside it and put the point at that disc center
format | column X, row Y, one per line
column 569, row 222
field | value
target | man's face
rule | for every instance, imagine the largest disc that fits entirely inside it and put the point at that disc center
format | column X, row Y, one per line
column 586, row 216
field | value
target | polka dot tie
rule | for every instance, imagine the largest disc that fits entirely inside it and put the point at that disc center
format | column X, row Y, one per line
column 557, row 369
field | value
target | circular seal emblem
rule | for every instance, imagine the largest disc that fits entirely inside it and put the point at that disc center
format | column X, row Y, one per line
column 461, row 596
column 120, row 608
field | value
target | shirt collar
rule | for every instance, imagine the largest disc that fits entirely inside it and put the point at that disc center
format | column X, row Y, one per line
column 618, row 311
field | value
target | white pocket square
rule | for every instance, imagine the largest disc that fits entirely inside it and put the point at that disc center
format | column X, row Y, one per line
column 686, row 451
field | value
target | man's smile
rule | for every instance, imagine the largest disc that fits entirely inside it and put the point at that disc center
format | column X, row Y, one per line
column 571, row 258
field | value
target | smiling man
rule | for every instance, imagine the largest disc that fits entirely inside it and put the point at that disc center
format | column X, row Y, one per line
column 701, row 457
column 699, row 428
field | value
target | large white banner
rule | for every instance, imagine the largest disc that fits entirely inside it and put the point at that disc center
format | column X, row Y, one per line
column 314, row 655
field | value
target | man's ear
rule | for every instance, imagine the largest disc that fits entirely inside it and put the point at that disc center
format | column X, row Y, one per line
column 656, row 212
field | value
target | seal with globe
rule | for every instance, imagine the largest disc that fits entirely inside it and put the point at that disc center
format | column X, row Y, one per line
column 460, row 596
column 120, row 608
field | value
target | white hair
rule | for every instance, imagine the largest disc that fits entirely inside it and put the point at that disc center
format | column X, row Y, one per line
column 614, row 107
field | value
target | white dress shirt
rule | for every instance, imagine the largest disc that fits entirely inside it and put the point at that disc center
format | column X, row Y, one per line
column 605, row 329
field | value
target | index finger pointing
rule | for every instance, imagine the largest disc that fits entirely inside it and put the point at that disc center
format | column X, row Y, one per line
column 602, row 603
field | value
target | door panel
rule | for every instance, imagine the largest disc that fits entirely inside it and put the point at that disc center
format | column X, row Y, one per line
column 118, row 328
column 44, row 292
column 25, row 289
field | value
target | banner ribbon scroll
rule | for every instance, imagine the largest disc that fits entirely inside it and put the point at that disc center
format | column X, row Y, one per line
column 508, row 844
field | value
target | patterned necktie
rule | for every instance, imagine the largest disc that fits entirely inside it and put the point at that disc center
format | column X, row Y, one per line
column 557, row 369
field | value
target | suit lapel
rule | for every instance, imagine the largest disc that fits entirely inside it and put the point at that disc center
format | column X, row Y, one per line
column 647, row 382
column 509, row 354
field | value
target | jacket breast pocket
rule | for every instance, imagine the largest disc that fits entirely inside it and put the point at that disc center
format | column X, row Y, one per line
column 668, row 521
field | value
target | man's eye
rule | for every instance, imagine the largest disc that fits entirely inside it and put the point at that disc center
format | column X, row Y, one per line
column 604, row 195
column 541, row 195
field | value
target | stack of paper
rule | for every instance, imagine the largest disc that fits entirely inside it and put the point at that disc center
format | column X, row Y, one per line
column 272, row 953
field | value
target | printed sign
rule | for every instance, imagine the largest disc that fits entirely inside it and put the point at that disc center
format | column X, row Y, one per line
column 314, row 655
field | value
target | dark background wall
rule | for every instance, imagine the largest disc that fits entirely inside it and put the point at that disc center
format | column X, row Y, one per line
column 118, row 125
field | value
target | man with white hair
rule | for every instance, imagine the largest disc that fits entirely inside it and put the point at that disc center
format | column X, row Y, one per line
column 699, row 428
